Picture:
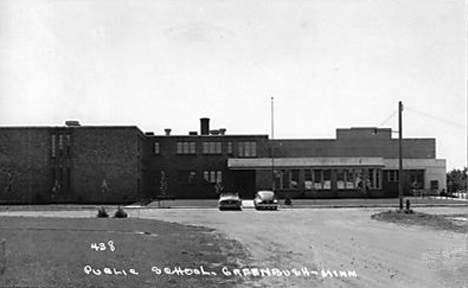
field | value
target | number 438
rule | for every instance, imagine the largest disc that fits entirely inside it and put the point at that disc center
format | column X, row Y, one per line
column 103, row 246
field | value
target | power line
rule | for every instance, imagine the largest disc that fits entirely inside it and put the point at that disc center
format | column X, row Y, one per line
column 448, row 122
column 388, row 118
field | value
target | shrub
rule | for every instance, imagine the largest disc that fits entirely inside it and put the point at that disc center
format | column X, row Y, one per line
column 287, row 201
column 120, row 213
column 102, row 213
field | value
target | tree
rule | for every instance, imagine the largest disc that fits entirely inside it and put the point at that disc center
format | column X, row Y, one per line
column 163, row 182
column 456, row 180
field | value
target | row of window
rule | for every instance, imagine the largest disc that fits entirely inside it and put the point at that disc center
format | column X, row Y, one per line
column 60, row 145
column 190, row 176
column 322, row 179
column 244, row 149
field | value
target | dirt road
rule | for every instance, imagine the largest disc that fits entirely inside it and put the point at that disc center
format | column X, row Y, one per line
column 381, row 254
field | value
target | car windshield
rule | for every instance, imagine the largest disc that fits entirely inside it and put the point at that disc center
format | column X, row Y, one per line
column 266, row 194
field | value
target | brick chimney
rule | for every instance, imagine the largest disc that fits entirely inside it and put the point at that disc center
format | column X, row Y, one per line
column 205, row 126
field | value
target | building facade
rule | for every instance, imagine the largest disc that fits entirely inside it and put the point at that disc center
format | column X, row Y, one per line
column 121, row 164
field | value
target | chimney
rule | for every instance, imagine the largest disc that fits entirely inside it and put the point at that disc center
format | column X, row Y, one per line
column 205, row 126
column 168, row 131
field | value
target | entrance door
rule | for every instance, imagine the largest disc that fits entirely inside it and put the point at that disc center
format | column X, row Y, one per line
column 244, row 183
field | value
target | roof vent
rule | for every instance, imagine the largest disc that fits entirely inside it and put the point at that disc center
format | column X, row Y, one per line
column 149, row 133
column 72, row 123
column 193, row 133
column 222, row 131
column 168, row 131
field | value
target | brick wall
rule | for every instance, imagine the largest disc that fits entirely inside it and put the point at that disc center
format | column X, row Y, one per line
column 24, row 165
column 107, row 164
column 386, row 148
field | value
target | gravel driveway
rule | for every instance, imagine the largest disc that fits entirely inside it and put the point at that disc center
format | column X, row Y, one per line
column 381, row 254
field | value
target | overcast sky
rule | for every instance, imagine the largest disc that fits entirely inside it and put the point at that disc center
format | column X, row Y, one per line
column 165, row 64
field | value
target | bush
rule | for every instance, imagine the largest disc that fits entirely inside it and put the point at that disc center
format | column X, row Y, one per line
column 287, row 201
column 120, row 213
column 102, row 213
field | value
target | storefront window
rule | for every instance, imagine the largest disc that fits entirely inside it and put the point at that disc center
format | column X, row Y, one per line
column 340, row 179
column 349, row 174
column 308, row 179
column 318, row 179
column 327, row 179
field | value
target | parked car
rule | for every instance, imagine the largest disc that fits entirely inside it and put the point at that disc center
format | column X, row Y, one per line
column 266, row 200
column 229, row 201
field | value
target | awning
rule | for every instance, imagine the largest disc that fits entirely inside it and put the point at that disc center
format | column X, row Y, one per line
column 315, row 162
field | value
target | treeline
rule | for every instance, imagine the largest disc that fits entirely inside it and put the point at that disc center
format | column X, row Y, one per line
column 456, row 180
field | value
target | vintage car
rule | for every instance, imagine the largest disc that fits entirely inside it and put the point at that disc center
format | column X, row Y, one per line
column 266, row 200
column 229, row 201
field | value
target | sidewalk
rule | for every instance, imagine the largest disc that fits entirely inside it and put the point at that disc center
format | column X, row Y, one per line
column 317, row 203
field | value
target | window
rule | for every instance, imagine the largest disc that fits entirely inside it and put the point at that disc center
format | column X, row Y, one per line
column 392, row 175
column 350, row 179
column 186, row 148
column 53, row 145
column 327, row 179
column 229, row 148
column 213, row 176
column 156, row 148
column 374, row 177
column 68, row 145
column 294, row 179
column 287, row 179
column 247, row 149
column 340, row 179
column 318, row 179
column 211, row 147
column 308, row 180
column 277, row 175
column 60, row 137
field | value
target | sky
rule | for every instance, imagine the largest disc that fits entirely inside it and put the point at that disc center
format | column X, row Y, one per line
column 166, row 64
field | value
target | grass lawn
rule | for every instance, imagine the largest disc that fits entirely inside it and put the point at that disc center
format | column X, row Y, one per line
column 53, row 252
column 437, row 222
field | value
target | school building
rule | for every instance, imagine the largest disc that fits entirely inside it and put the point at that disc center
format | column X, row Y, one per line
column 121, row 164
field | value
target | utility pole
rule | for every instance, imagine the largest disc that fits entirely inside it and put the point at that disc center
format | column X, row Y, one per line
column 400, row 154
column 272, row 149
